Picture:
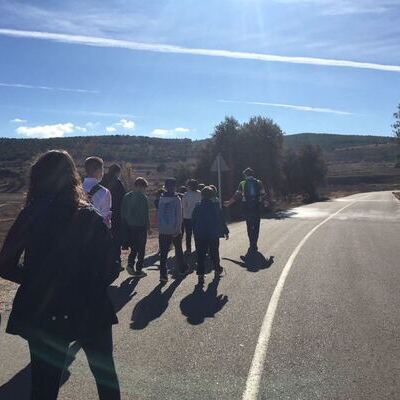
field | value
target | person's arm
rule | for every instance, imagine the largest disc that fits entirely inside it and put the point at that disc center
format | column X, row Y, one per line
column 147, row 210
column 106, row 208
column 13, row 248
column 223, row 224
column 236, row 197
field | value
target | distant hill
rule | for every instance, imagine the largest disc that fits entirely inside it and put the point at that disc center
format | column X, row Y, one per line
column 352, row 159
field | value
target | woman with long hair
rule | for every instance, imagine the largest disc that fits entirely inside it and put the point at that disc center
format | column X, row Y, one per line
column 66, row 267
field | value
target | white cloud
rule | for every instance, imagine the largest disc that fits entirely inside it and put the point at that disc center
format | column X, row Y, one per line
column 291, row 106
column 111, row 129
column 172, row 49
column 126, row 124
column 80, row 129
column 25, row 86
column 168, row 133
column 19, row 121
column 46, row 131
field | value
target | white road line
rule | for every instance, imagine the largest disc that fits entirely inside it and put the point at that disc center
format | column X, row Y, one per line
column 257, row 364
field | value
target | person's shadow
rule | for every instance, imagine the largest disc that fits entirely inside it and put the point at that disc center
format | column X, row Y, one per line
column 153, row 305
column 202, row 304
column 18, row 387
column 122, row 294
column 253, row 261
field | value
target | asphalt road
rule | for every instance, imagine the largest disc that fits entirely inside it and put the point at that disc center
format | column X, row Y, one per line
column 335, row 333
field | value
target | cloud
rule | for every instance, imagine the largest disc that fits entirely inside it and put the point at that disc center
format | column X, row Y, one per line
column 18, row 121
column 111, row 129
column 126, row 124
column 291, row 106
column 172, row 49
column 46, row 131
column 168, row 133
column 24, row 86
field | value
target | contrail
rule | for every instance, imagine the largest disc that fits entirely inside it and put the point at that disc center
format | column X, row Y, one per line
column 290, row 106
column 166, row 48
column 24, row 86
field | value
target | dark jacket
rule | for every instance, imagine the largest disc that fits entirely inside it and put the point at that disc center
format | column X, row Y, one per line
column 208, row 221
column 68, row 265
column 117, row 190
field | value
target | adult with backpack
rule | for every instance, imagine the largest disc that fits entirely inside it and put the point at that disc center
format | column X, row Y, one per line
column 251, row 192
column 67, row 266
column 98, row 195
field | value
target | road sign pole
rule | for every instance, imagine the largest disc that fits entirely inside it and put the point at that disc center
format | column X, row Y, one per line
column 219, row 180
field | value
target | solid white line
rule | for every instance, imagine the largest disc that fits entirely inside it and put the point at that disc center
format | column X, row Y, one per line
column 257, row 364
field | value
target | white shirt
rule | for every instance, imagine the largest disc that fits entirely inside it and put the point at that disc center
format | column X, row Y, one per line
column 189, row 201
column 101, row 200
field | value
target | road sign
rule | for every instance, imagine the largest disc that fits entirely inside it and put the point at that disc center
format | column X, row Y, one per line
column 219, row 160
column 219, row 165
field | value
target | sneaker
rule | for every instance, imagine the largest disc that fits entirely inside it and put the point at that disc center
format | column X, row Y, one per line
column 163, row 278
column 140, row 274
column 130, row 270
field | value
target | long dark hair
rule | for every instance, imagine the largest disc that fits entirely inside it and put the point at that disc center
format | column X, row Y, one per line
column 54, row 175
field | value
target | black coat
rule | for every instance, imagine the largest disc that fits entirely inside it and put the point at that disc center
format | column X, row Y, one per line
column 68, row 265
column 117, row 190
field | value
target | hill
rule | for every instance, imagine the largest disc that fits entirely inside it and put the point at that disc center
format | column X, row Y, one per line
column 365, row 162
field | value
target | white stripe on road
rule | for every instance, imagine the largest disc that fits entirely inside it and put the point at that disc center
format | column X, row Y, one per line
column 257, row 364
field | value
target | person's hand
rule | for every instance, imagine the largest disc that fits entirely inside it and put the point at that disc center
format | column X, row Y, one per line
column 227, row 236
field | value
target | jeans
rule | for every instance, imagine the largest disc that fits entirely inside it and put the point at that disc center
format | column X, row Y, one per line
column 137, row 242
column 165, row 243
column 202, row 246
column 187, row 223
column 48, row 356
column 253, row 229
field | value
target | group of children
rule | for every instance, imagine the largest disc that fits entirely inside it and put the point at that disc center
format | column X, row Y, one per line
column 195, row 213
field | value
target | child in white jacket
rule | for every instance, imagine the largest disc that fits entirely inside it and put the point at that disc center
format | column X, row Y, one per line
column 189, row 201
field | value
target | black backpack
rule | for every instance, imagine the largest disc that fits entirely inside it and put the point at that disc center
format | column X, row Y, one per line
column 252, row 190
column 93, row 191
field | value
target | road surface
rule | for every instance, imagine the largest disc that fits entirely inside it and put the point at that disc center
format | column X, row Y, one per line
column 332, row 330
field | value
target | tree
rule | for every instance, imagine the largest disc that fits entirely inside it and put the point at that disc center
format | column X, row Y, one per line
column 396, row 124
column 313, row 170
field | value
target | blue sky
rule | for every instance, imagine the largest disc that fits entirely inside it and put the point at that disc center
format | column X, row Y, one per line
column 172, row 68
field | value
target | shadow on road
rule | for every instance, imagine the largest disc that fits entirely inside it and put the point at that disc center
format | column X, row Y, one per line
column 122, row 294
column 253, row 261
column 202, row 304
column 153, row 305
column 282, row 214
column 18, row 387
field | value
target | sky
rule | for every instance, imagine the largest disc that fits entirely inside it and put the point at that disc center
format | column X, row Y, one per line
column 175, row 69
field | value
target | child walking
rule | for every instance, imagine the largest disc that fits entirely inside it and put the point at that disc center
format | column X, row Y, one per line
column 136, row 226
column 170, row 228
column 208, row 226
column 189, row 201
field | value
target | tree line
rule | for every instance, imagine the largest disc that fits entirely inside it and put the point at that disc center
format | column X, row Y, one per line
column 259, row 144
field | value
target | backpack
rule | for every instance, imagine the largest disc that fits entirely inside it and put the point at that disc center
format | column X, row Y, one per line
column 251, row 190
column 93, row 191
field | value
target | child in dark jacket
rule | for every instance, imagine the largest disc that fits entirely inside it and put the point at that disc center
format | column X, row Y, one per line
column 208, row 226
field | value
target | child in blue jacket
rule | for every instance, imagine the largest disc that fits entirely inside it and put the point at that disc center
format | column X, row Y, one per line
column 208, row 226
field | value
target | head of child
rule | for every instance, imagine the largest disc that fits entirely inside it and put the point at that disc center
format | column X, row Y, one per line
column 207, row 193
column 94, row 168
column 192, row 185
column 215, row 190
column 170, row 185
column 114, row 171
column 141, row 185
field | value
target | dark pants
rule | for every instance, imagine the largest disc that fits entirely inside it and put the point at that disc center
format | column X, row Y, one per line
column 48, row 360
column 253, row 229
column 202, row 246
column 188, row 228
column 117, row 240
column 137, row 239
column 165, row 244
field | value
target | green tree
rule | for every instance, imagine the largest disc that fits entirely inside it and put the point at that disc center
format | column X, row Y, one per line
column 313, row 170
